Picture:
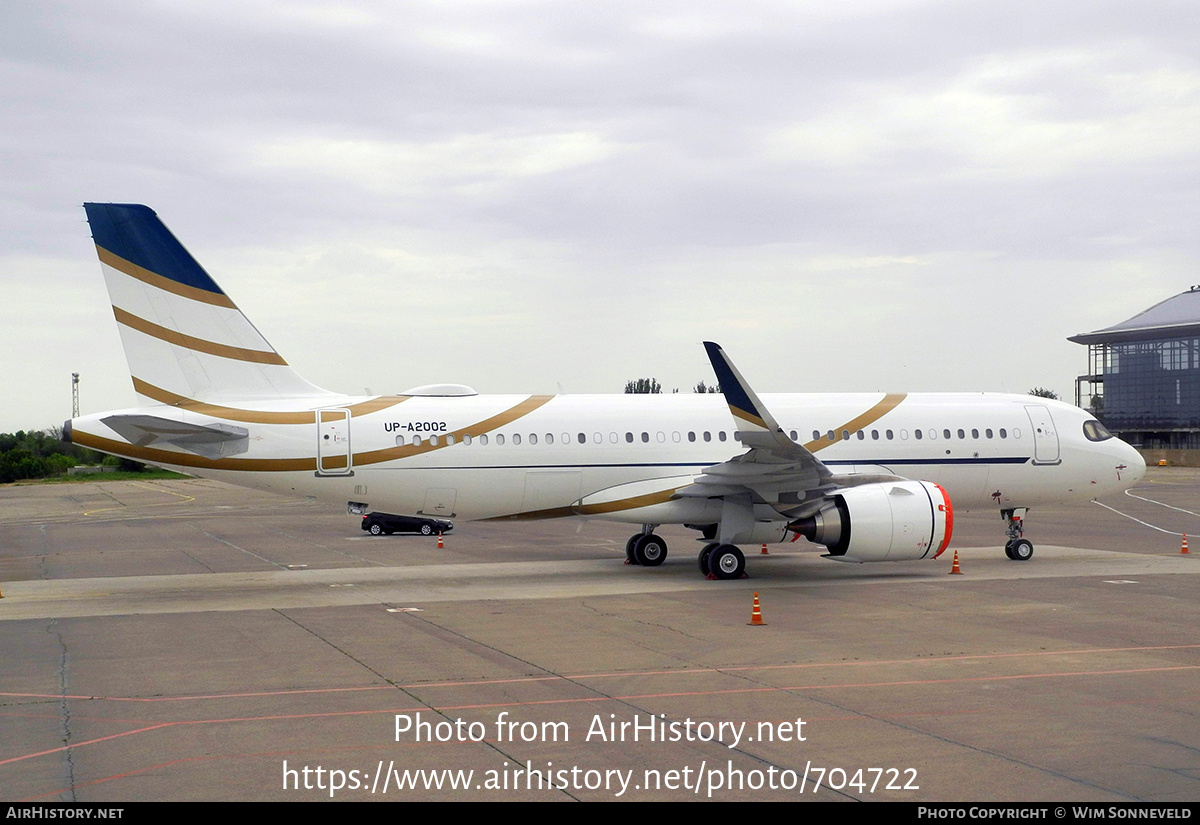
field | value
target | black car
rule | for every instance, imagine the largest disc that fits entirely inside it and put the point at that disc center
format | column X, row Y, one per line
column 378, row 524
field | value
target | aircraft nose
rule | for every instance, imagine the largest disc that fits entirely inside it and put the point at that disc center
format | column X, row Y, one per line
column 1135, row 465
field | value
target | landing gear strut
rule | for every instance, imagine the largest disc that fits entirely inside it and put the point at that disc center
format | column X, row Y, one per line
column 1016, row 548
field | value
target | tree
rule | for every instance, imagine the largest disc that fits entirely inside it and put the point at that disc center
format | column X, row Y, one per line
column 644, row 386
column 36, row 454
column 703, row 388
column 1042, row 392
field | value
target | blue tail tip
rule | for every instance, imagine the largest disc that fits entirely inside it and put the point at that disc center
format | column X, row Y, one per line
column 134, row 232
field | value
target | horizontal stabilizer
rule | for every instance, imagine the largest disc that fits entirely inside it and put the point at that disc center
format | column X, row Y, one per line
column 209, row 440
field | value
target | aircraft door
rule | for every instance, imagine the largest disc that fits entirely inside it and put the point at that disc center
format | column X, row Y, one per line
column 1045, row 437
column 333, row 443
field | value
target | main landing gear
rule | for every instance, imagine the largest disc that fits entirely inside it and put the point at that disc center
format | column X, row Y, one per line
column 722, row 561
column 1016, row 548
column 717, row 561
column 645, row 548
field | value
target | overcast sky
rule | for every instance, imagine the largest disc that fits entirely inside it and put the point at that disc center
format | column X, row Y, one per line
column 561, row 196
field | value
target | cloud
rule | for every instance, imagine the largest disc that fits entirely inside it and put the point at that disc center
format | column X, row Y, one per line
column 516, row 193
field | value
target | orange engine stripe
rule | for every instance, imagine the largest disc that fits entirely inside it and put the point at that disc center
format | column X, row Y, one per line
column 949, row 521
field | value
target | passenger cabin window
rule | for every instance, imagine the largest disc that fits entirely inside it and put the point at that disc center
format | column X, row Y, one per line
column 629, row 438
column 989, row 432
column 917, row 434
column 516, row 438
column 483, row 439
column 875, row 435
column 1003, row 434
column 691, row 436
column 500, row 439
column 582, row 438
column 707, row 435
column 946, row 434
column 816, row 435
column 467, row 439
column 399, row 441
column 533, row 438
column 721, row 435
column 645, row 438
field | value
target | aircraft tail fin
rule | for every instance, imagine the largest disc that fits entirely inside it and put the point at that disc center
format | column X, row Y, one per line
column 184, row 338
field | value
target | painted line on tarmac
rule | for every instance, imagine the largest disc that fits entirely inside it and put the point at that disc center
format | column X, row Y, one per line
column 1161, row 504
column 1138, row 520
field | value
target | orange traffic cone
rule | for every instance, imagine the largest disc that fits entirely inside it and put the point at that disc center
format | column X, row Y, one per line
column 756, row 615
column 441, row 543
column 1183, row 551
column 954, row 570
column 764, row 551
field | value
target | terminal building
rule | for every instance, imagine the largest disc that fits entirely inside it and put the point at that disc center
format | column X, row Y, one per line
column 1143, row 378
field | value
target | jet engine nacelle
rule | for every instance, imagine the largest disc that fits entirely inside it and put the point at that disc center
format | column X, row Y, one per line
column 888, row 521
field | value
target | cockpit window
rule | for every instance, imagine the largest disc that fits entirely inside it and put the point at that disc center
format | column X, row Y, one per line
column 1095, row 431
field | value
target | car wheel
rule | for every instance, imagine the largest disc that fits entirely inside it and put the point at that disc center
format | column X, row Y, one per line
column 426, row 529
column 376, row 529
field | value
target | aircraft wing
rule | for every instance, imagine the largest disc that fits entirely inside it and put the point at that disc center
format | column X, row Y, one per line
column 775, row 470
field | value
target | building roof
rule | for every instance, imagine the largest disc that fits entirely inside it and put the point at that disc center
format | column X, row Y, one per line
column 1176, row 317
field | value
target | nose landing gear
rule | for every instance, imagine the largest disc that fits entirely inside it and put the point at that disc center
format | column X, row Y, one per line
column 1016, row 548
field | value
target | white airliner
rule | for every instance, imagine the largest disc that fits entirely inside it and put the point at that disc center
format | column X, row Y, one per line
column 869, row 476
